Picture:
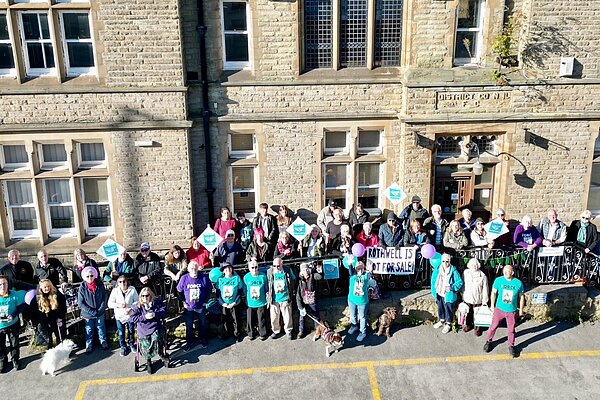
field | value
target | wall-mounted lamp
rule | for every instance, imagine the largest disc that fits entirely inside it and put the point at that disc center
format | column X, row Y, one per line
column 476, row 166
column 541, row 142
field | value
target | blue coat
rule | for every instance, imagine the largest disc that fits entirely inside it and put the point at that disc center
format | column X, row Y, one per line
column 93, row 305
column 456, row 283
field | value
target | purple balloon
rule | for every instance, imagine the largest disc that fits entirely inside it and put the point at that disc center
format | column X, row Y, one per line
column 428, row 251
column 358, row 249
column 29, row 296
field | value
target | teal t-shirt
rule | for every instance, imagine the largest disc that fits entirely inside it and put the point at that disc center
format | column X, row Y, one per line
column 256, row 290
column 230, row 288
column 359, row 289
column 508, row 293
column 8, row 306
column 280, row 287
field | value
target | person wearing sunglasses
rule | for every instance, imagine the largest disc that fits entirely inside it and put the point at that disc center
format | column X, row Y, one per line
column 122, row 299
column 583, row 232
column 230, row 251
column 505, row 240
column 92, row 300
column 445, row 284
column 256, row 299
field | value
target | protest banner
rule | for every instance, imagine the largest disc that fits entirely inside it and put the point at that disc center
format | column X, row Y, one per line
column 298, row 229
column 495, row 228
column 210, row 239
column 391, row 260
column 110, row 250
column 331, row 269
column 394, row 193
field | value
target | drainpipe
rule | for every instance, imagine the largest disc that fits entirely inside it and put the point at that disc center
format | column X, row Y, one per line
column 210, row 190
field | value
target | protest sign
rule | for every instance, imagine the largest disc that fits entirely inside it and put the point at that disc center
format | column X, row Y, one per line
column 391, row 260
column 394, row 193
column 495, row 228
column 331, row 269
column 298, row 229
column 110, row 250
column 551, row 251
column 209, row 239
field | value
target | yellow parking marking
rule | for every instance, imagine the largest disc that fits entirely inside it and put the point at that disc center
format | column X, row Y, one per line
column 369, row 365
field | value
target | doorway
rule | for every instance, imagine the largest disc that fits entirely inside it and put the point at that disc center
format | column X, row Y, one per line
column 456, row 189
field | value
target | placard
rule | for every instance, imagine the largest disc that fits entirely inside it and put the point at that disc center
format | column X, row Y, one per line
column 391, row 260
column 209, row 239
column 331, row 269
column 298, row 229
column 558, row 251
column 495, row 228
column 110, row 250
column 539, row 298
column 394, row 194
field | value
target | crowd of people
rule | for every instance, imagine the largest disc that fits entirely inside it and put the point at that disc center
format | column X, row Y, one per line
column 130, row 286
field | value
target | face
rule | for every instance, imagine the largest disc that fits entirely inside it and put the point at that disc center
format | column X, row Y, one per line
column 122, row 256
column 304, row 273
column 337, row 214
column 176, row 254
column 479, row 225
column 253, row 270
column 508, row 272
column 146, row 297
column 242, row 218
column 552, row 217
column 416, row 228
column 123, row 284
column 259, row 237
column 225, row 214
column 278, row 264
column 88, row 277
column 285, row 239
column 358, row 210
column 196, row 245
column 145, row 252
column 230, row 238
column 3, row 286
column 14, row 257
column 584, row 218
column 81, row 256
column 526, row 223
column 473, row 266
column 360, row 270
column 501, row 215
column 45, row 288
column 193, row 269
column 415, row 205
column 345, row 230
column 391, row 222
column 262, row 211
column 43, row 257
column 446, row 262
column 437, row 212
column 314, row 232
column 228, row 272
column 367, row 229
column 454, row 227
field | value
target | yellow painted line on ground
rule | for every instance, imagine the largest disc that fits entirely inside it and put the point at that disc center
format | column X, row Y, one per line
column 373, row 383
column 369, row 365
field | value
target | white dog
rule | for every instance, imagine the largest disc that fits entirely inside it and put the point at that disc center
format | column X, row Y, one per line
column 56, row 356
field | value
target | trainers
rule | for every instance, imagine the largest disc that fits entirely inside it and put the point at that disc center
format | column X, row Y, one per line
column 290, row 336
column 300, row 334
column 439, row 324
column 274, row 335
column 487, row 347
column 16, row 365
column 104, row 346
column 447, row 328
column 132, row 348
column 263, row 338
column 88, row 350
column 477, row 331
column 361, row 337
column 251, row 337
column 123, row 351
column 352, row 329
column 512, row 351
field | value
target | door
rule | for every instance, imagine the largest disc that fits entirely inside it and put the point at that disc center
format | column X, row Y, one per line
column 453, row 193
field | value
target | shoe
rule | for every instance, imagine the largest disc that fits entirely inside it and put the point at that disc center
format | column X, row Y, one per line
column 512, row 351
column 251, row 337
column 466, row 328
column 274, row 335
column 290, row 336
column 187, row 347
column 487, row 347
column 166, row 361
column 353, row 329
column 88, row 350
column 361, row 337
column 104, row 346
column 239, row 338
column 477, row 331
column 16, row 365
column 300, row 334
column 2, row 366
column 439, row 324
column 447, row 328
column 123, row 351
column 132, row 348
column 149, row 366
column 204, row 345
column 263, row 338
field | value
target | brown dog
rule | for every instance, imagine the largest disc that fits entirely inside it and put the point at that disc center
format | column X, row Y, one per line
column 386, row 320
column 332, row 339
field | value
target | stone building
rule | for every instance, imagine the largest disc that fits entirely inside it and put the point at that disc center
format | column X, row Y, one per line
column 103, row 111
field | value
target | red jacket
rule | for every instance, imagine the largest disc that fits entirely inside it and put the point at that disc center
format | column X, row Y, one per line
column 373, row 241
column 201, row 256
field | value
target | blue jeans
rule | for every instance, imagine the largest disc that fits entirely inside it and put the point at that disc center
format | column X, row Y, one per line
column 445, row 310
column 361, row 310
column 188, row 316
column 121, row 330
column 90, row 325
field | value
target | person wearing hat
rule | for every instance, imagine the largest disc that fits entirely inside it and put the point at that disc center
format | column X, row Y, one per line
column 147, row 268
column 414, row 210
column 479, row 235
column 230, row 251
column 306, row 295
column 92, row 300
column 390, row 234
column 326, row 215
column 229, row 293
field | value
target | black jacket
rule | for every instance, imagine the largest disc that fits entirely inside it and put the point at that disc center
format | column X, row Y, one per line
column 272, row 232
column 54, row 270
column 309, row 285
column 150, row 266
column 19, row 276
column 591, row 236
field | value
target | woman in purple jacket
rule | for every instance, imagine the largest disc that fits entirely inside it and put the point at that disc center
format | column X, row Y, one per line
column 148, row 315
column 526, row 235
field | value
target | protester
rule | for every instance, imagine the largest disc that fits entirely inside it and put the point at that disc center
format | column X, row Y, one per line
column 583, row 232
column 285, row 248
column 358, row 300
column 306, row 295
column 267, row 222
column 415, row 236
column 552, row 230
column 175, row 263
column 390, row 234
column 198, row 253
column 342, row 244
column 505, row 240
column 259, row 250
column 19, row 273
column 92, row 300
column 230, row 251
column 196, row 289
column 475, row 292
column 50, row 314
column 81, row 261
column 479, row 235
column 230, row 288
column 12, row 303
column 526, row 235
column 123, row 265
column 334, row 227
column 413, row 211
column 454, row 237
column 313, row 245
column 357, row 217
column 467, row 223
column 506, row 292
column 148, row 269
column 245, row 232
column 445, row 284
column 50, row 268
column 122, row 300
column 326, row 215
column 256, row 284
column 366, row 236
column 225, row 222
column 280, row 290
column 283, row 219
column 436, row 226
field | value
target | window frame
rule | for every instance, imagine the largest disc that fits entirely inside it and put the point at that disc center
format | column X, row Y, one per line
column 76, row 71
column 370, row 210
column 29, row 71
column 13, row 167
column 591, row 186
column 52, row 165
column 241, row 154
column 59, row 232
column 369, row 150
column 96, row 231
column 476, row 60
column 236, row 65
column 90, row 164
column 9, row 72
column 336, row 151
column 345, row 188
column 244, row 190
column 20, row 233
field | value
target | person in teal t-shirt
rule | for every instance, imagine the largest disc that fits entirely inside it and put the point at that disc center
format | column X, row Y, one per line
column 12, row 303
column 358, row 298
column 229, row 291
column 256, row 299
column 281, row 283
column 506, row 292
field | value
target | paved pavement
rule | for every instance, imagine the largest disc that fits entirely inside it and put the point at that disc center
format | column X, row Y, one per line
column 557, row 361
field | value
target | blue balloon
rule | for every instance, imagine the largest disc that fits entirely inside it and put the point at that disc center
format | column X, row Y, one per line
column 436, row 260
column 215, row 274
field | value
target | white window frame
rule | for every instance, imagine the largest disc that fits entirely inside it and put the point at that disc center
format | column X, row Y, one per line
column 77, row 71
column 369, row 150
column 370, row 210
column 233, row 191
column 90, row 164
column 476, row 59
column 21, row 233
column 52, row 165
column 236, row 65
column 336, row 151
column 59, row 232
column 96, row 231
column 343, row 187
column 240, row 154
column 10, row 167
column 37, row 71
column 9, row 72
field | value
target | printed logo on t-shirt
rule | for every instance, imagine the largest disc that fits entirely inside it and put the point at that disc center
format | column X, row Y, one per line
column 227, row 292
column 3, row 312
column 527, row 238
column 507, row 296
column 359, row 288
column 255, row 292
column 279, row 286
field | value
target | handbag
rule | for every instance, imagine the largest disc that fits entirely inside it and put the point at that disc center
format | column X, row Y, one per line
column 483, row 316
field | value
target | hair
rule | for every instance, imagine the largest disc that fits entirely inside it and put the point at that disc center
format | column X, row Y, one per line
column 473, row 262
column 252, row 263
column 78, row 251
column 414, row 223
column 436, row 207
column 259, row 231
column 453, row 223
column 225, row 209
column 283, row 235
column 170, row 259
column 285, row 219
column 192, row 240
column 370, row 225
column 42, row 251
column 552, row 210
column 500, row 210
column 446, row 255
column 278, row 258
column 466, row 212
column 340, row 211
column 526, row 218
column 123, row 278
column 264, row 206
column 587, row 213
column 144, row 291
column 240, row 214
column 14, row 252
column 47, row 303
column 360, row 264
